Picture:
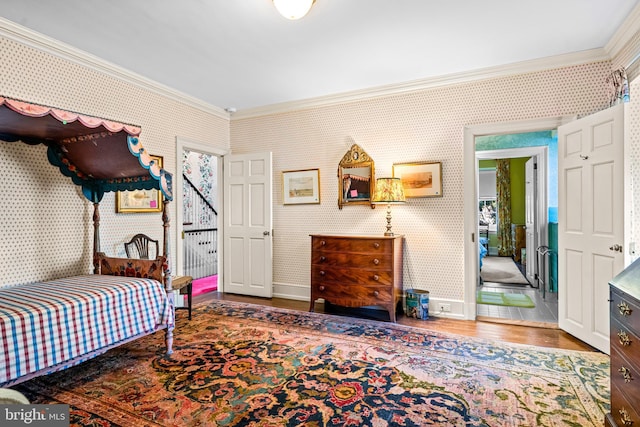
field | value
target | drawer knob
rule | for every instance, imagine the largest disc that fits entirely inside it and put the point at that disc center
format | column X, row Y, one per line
column 323, row 258
column 376, row 261
column 322, row 272
column 376, row 293
column 376, row 277
column 624, row 416
column 624, row 339
column 323, row 242
column 626, row 374
column 624, row 309
column 376, row 245
column 321, row 288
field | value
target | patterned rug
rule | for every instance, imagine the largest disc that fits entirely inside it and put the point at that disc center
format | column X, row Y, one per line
column 238, row 364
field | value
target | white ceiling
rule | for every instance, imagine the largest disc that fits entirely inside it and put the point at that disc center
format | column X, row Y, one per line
column 243, row 54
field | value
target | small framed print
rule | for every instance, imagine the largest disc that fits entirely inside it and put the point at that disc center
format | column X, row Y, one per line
column 421, row 179
column 137, row 201
column 301, row 187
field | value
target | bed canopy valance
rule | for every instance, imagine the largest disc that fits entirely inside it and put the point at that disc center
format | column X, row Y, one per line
column 97, row 154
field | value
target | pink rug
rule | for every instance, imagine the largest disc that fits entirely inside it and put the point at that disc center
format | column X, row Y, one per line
column 204, row 285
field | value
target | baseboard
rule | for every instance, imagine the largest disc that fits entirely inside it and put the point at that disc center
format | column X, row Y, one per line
column 529, row 323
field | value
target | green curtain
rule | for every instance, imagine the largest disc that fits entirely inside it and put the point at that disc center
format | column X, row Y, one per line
column 503, row 190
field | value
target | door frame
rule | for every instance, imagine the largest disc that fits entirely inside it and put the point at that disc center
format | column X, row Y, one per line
column 200, row 147
column 541, row 153
column 470, row 181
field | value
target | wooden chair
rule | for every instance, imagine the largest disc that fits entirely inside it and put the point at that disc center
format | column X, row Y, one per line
column 141, row 243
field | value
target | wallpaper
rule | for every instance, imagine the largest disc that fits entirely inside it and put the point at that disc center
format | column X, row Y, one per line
column 419, row 126
column 201, row 169
column 46, row 228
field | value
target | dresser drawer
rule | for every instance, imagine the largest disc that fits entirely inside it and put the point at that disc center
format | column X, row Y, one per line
column 622, row 411
column 351, row 276
column 353, row 295
column 340, row 244
column 625, row 377
column 625, row 342
column 380, row 261
column 625, row 311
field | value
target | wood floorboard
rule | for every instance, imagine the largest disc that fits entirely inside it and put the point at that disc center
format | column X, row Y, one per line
column 492, row 330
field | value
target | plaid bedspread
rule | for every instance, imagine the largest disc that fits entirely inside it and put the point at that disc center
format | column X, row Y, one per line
column 45, row 324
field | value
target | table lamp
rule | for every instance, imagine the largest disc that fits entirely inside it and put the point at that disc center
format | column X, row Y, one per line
column 389, row 191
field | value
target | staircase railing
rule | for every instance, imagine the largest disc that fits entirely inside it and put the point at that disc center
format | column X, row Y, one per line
column 200, row 233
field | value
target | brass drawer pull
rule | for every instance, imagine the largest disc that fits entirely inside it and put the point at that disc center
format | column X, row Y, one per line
column 376, row 293
column 323, row 243
column 376, row 277
column 321, row 288
column 376, row 245
column 624, row 416
column 323, row 258
column 376, row 261
column 322, row 272
column 624, row 339
column 626, row 374
column 624, row 309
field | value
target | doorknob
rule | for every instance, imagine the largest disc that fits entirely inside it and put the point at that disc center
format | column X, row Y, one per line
column 616, row 248
column 265, row 233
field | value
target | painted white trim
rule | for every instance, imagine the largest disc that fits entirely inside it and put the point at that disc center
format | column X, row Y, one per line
column 559, row 61
column 188, row 144
column 470, row 167
column 35, row 40
column 23, row 35
column 624, row 33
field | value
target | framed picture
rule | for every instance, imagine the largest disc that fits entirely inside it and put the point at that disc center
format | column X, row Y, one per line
column 422, row 179
column 137, row 201
column 301, row 187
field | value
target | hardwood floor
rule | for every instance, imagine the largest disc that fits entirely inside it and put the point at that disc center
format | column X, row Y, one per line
column 553, row 338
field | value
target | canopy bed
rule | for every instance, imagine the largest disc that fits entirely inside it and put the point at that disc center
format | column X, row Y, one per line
column 52, row 325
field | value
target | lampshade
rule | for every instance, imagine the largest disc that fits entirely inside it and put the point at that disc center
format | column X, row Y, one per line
column 388, row 190
column 293, row 9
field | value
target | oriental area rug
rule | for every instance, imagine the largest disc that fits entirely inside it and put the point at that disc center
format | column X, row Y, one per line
column 237, row 364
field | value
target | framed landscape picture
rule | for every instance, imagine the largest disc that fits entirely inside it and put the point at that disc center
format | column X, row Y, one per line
column 301, row 187
column 421, row 179
column 137, row 201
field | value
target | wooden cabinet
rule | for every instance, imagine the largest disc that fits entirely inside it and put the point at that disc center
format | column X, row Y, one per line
column 518, row 240
column 357, row 271
column 625, row 348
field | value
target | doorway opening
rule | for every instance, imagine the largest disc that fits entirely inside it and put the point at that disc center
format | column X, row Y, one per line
column 198, row 215
column 516, row 187
column 517, row 143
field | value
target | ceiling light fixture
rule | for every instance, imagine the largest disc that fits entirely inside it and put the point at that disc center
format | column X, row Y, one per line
column 293, row 9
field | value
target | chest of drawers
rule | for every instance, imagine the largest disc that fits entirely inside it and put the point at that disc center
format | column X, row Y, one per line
column 357, row 271
column 625, row 348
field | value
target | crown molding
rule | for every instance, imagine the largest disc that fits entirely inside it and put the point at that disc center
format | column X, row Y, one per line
column 17, row 33
column 25, row 36
column 552, row 62
column 624, row 33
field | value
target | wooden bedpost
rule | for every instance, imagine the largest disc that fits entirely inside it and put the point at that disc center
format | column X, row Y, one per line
column 96, row 236
column 167, row 273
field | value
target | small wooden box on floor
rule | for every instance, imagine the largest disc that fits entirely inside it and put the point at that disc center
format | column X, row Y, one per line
column 357, row 271
column 625, row 348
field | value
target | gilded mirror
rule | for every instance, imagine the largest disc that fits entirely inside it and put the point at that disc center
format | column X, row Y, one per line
column 356, row 178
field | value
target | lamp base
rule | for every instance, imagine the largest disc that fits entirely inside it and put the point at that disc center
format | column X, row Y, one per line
column 388, row 232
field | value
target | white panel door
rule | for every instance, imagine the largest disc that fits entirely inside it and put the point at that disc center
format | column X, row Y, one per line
column 531, row 225
column 590, row 222
column 248, row 224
